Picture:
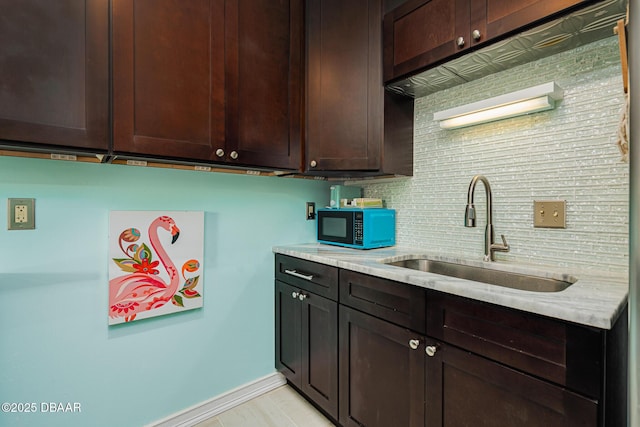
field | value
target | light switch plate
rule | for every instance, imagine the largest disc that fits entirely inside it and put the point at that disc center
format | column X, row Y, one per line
column 21, row 214
column 549, row 213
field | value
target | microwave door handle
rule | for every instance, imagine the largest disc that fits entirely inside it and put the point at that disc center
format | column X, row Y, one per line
column 300, row 275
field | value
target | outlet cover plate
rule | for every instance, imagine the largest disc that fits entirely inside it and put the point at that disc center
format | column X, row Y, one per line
column 549, row 213
column 311, row 211
column 21, row 214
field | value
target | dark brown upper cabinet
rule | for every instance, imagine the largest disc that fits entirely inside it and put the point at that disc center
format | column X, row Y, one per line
column 208, row 80
column 264, row 78
column 54, row 75
column 352, row 124
column 422, row 33
column 168, row 78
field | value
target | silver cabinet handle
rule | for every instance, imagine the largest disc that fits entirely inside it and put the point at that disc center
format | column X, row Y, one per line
column 414, row 344
column 219, row 152
column 460, row 41
column 302, row 296
column 299, row 275
column 294, row 294
column 313, row 163
column 431, row 350
column 476, row 35
column 234, row 155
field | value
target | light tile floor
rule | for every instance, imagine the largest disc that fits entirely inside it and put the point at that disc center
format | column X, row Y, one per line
column 282, row 407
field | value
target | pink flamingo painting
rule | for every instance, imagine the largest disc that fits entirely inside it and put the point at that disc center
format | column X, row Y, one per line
column 143, row 289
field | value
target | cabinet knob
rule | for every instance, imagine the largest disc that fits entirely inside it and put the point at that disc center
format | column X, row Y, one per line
column 234, row 155
column 460, row 41
column 313, row 163
column 431, row 350
column 414, row 344
column 219, row 152
column 302, row 296
column 294, row 295
column 476, row 35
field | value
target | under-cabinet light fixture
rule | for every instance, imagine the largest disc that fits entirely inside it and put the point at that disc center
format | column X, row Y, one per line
column 531, row 100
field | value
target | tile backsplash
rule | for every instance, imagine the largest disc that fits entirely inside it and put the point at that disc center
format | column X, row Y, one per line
column 569, row 153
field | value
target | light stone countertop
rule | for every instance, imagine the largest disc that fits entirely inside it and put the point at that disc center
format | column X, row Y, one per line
column 595, row 299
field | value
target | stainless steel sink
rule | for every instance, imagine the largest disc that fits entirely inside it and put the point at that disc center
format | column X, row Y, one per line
column 487, row 275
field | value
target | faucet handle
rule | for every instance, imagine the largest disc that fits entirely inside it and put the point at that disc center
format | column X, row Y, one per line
column 497, row 247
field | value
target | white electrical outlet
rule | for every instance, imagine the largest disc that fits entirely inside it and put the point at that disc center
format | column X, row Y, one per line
column 20, row 213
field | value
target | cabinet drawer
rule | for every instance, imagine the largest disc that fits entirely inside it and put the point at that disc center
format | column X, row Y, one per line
column 313, row 277
column 396, row 302
column 567, row 354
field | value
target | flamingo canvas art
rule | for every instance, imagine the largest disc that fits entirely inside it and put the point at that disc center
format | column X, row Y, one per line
column 155, row 263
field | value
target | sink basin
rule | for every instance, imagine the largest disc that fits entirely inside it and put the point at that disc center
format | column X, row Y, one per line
column 487, row 275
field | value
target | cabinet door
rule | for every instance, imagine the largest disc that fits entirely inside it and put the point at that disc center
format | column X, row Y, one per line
column 168, row 77
column 344, row 85
column 307, row 344
column 467, row 390
column 501, row 17
column 320, row 352
column 381, row 376
column 288, row 339
column 264, row 82
column 54, row 69
column 422, row 32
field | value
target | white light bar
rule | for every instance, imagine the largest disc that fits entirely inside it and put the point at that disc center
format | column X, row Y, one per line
column 530, row 100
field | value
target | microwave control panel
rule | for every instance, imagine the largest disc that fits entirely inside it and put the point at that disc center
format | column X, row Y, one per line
column 358, row 227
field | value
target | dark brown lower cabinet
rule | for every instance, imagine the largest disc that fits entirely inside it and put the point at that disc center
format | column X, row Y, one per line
column 381, row 376
column 307, row 344
column 288, row 339
column 386, row 354
column 468, row 390
column 534, row 370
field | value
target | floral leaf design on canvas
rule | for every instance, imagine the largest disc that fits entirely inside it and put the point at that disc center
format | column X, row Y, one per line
column 125, row 264
column 139, row 257
column 177, row 300
column 144, row 263
column 188, row 289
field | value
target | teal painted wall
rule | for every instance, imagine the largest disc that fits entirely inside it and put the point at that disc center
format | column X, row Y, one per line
column 56, row 345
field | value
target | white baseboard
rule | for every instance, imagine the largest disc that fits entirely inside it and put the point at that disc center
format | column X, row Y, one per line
column 212, row 407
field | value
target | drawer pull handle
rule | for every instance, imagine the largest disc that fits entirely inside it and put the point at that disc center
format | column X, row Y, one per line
column 431, row 350
column 414, row 344
column 299, row 275
column 294, row 295
column 302, row 296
